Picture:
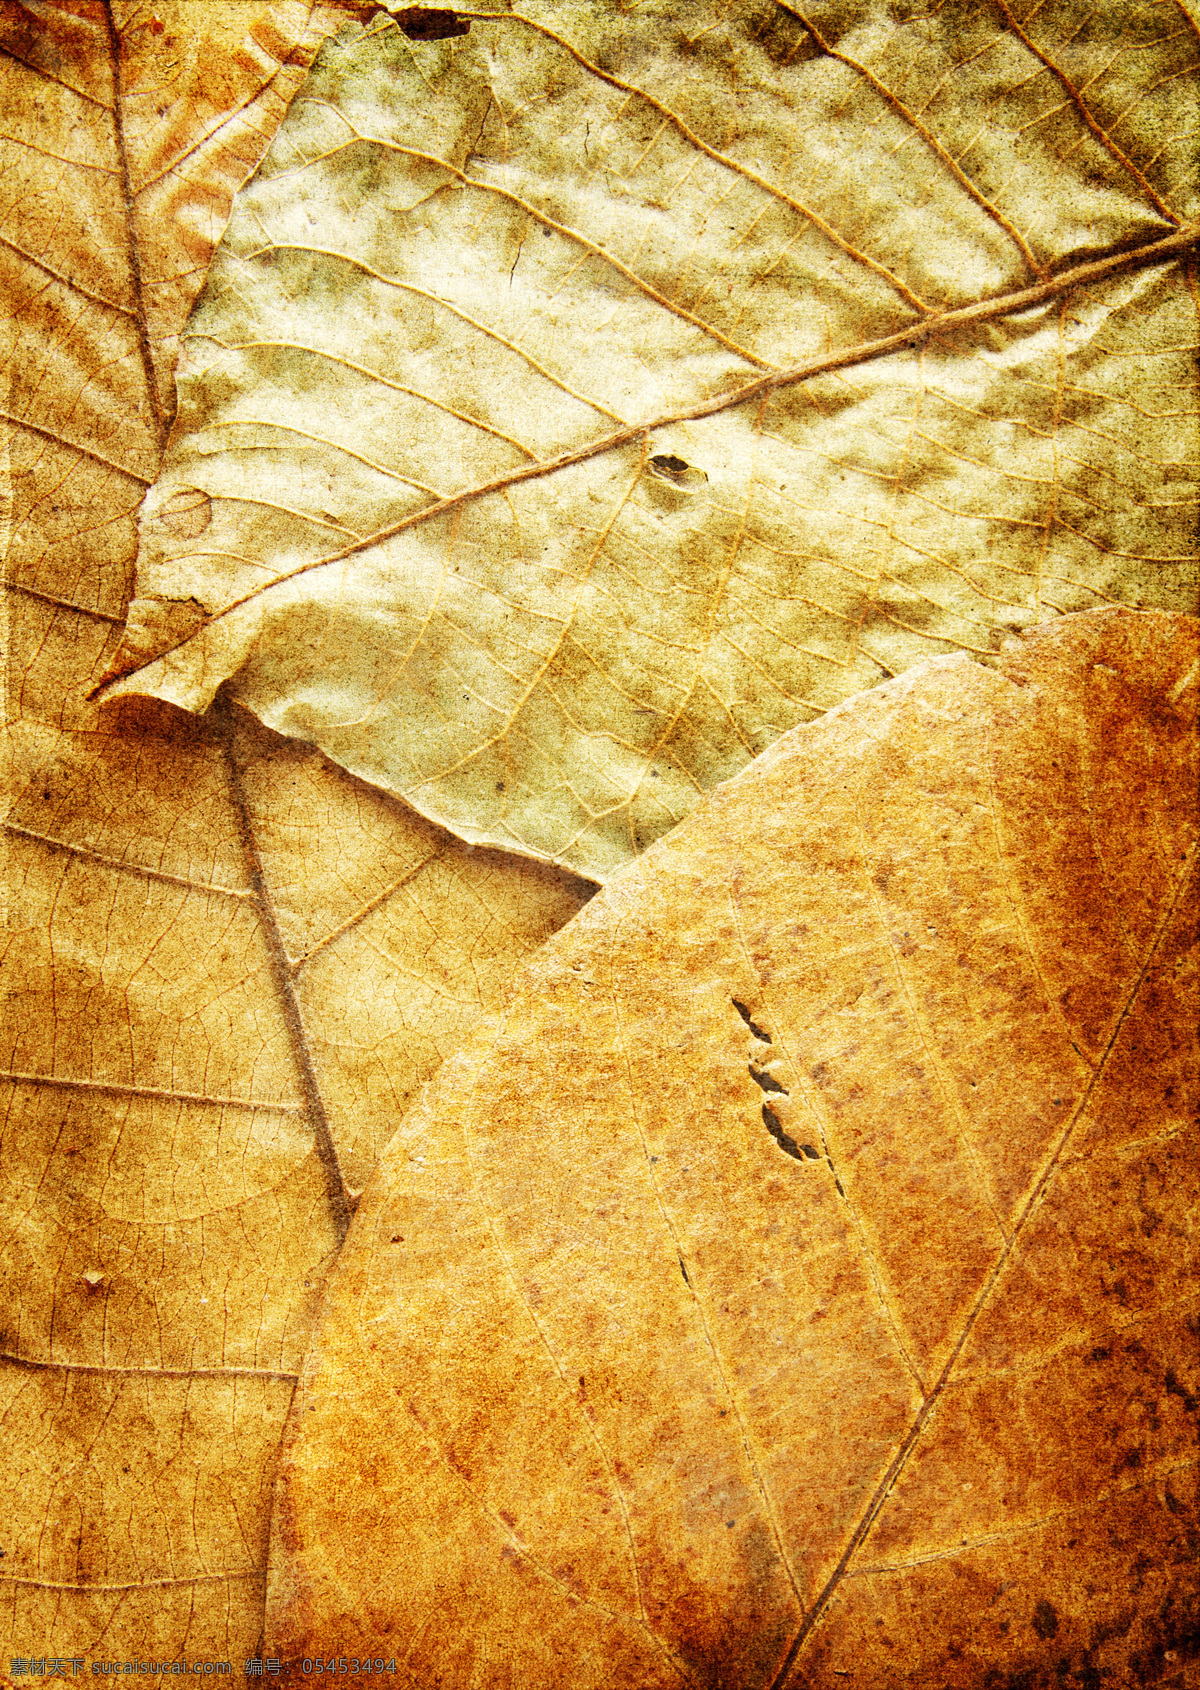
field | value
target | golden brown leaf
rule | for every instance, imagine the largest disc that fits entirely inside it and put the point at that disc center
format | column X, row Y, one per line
column 798, row 1281
column 190, row 1099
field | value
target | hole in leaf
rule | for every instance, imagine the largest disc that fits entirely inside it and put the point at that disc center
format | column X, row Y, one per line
column 774, row 1126
column 768, row 1082
column 667, row 466
column 745, row 1015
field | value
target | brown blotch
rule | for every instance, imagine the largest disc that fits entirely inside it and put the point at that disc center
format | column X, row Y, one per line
column 420, row 25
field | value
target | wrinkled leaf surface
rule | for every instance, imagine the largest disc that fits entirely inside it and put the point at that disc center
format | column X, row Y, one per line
column 579, row 402
column 226, row 964
column 799, row 1279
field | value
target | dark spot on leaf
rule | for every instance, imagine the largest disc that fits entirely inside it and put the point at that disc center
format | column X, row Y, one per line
column 1175, row 1389
column 667, row 464
column 420, row 25
column 774, row 1126
column 813, row 1154
column 683, row 1270
column 1045, row 1620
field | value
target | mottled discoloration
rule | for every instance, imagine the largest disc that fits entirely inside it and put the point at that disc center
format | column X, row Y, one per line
column 631, row 1397
column 589, row 398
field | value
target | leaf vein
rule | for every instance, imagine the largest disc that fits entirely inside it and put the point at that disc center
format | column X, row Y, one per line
column 981, row 311
column 437, row 299
column 721, row 158
column 899, row 1461
column 372, row 375
column 573, row 234
column 1076, row 99
column 926, row 134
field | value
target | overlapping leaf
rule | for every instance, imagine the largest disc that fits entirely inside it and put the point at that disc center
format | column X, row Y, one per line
column 798, row 1282
column 579, row 402
column 223, row 952
column 223, row 974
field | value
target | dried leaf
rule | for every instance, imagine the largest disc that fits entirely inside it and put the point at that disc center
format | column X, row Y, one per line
column 163, row 1247
column 579, row 402
column 799, row 1280
column 223, row 977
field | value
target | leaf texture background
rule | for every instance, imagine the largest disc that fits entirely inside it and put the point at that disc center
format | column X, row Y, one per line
column 229, row 964
column 798, row 1280
column 576, row 404
column 226, row 964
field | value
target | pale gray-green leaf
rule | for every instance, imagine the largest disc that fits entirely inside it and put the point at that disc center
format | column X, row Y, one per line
column 568, row 232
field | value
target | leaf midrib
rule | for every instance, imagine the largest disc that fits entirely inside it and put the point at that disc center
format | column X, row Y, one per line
column 762, row 387
column 900, row 1460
